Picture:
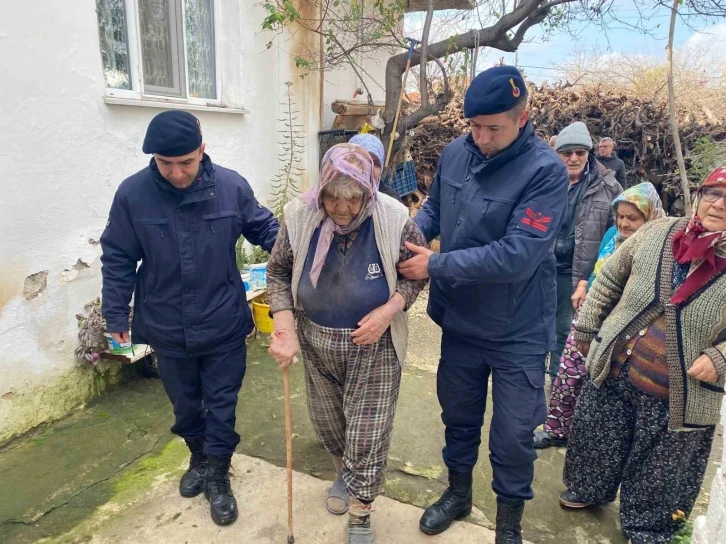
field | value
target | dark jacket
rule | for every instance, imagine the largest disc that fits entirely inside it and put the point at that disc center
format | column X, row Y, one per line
column 616, row 165
column 494, row 281
column 189, row 296
column 594, row 218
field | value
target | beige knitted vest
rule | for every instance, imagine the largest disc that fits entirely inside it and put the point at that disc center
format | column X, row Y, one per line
column 389, row 219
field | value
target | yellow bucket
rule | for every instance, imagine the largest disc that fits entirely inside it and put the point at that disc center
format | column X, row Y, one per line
column 261, row 315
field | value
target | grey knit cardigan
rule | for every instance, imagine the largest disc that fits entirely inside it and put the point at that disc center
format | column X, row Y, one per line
column 633, row 287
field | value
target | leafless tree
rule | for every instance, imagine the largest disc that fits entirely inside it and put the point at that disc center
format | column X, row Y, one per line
column 355, row 29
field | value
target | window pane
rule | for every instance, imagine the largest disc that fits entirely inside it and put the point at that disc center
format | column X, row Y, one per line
column 114, row 43
column 156, row 43
column 200, row 48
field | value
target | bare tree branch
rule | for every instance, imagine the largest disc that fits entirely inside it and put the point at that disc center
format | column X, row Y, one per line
column 423, row 81
column 672, row 110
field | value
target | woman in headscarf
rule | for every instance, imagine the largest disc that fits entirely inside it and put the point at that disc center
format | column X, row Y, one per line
column 632, row 209
column 333, row 268
column 653, row 329
column 377, row 152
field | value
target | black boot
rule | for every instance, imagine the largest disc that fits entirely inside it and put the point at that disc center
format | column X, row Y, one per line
column 454, row 504
column 193, row 480
column 509, row 523
column 218, row 491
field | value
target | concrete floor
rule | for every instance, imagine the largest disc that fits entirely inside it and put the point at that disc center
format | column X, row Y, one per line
column 108, row 473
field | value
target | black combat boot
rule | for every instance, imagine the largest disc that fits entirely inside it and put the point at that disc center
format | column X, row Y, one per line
column 509, row 523
column 218, row 492
column 454, row 504
column 193, row 480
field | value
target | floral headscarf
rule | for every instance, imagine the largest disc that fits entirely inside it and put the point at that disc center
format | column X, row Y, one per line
column 644, row 197
column 705, row 250
column 342, row 160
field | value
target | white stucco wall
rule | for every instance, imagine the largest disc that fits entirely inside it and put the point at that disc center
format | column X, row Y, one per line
column 65, row 151
column 711, row 528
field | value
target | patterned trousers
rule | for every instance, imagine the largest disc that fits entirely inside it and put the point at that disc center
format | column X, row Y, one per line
column 352, row 393
column 566, row 388
column 620, row 437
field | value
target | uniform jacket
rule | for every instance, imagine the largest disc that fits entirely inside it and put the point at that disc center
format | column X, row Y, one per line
column 594, row 218
column 494, row 280
column 189, row 299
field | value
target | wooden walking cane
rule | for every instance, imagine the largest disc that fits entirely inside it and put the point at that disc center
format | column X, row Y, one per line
column 288, row 442
column 411, row 46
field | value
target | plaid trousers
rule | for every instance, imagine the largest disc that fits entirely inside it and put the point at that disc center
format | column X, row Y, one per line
column 352, row 393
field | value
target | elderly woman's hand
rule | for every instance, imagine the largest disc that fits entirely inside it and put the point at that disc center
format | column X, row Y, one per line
column 579, row 295
column 284, row 348
column 583, row 347
column 371, row 327
column 703, row 370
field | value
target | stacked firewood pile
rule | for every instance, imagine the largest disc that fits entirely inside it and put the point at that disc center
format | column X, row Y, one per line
column 640, row 127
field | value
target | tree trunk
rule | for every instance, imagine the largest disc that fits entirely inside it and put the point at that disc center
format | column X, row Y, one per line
column 321, row 60
column 423, row 80
column 672, row 107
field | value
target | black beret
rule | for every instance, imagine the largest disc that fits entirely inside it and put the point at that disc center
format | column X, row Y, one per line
column 495, row 90
column 173, row 134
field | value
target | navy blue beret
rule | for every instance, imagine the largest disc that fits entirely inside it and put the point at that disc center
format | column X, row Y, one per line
column 495, row 90
column 173, row 134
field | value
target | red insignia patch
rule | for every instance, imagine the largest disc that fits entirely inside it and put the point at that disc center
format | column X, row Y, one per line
column 537, row 220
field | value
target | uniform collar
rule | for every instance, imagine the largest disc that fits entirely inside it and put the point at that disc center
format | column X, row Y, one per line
column 203, row 188
column 519, row 146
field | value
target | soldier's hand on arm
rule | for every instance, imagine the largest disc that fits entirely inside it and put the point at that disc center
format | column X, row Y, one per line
column 417, row 267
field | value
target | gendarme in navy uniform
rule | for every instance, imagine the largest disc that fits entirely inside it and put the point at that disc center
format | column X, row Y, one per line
column 181, row 217
column 497, row 202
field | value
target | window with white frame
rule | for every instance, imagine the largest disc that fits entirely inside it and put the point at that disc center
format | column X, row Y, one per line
column 172, row 41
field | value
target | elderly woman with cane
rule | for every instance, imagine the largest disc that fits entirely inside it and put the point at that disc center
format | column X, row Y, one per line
column 333, row 269
column 653, row 329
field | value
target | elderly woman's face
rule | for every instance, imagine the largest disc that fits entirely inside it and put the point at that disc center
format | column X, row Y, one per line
column 628, row 219
column 712, row 209
column 342, row 204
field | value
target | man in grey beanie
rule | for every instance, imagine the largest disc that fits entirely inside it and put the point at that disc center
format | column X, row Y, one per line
column 587, row 216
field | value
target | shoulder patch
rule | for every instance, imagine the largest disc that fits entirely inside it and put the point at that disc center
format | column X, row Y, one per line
column 536, row 221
